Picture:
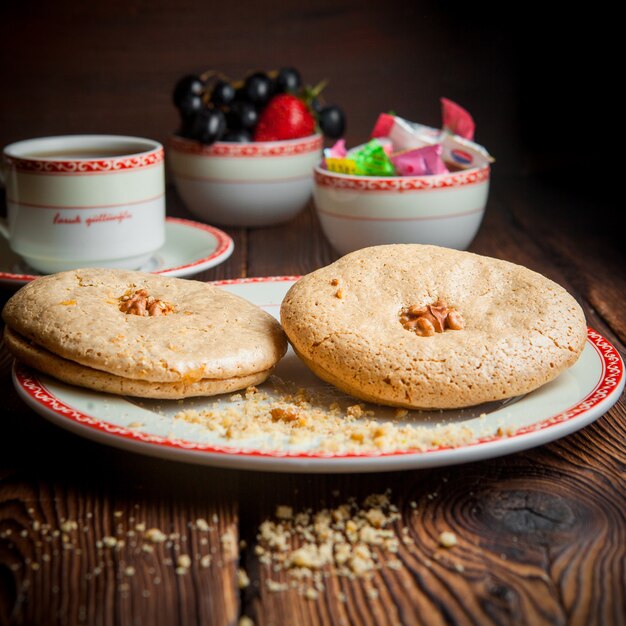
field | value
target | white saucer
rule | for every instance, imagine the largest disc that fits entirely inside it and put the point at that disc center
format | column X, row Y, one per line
column 190, row 247
column 576, row 398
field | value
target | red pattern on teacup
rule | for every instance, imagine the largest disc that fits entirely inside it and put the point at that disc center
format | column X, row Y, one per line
column 83, row 166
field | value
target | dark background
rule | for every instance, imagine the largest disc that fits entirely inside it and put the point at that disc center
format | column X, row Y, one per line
column 536, row 83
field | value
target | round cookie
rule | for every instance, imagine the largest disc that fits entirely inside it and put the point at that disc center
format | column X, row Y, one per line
column 82, row 376
column 179, row 336
column 351, row 323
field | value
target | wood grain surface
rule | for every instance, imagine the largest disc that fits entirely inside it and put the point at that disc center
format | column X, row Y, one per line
column 541, row 534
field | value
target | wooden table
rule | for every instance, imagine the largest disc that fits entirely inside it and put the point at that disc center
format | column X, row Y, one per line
column 541, row 534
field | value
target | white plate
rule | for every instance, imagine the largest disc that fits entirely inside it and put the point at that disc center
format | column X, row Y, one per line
column 578, row 397
column 190, row 247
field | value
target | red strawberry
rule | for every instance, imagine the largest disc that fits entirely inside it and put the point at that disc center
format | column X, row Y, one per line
column 285, row 117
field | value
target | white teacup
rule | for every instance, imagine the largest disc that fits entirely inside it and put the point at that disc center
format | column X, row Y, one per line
column 84, row 200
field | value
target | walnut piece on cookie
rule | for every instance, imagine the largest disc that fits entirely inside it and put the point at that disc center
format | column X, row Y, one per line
column 140, row 302
column 427, row 320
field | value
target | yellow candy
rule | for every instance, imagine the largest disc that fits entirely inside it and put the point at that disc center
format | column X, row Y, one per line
column 341, row 166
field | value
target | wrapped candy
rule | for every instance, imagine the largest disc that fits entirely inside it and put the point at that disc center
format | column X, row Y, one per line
column 372, row 160
column 337, row 151
column 336, row 161
column 456, row 119
column 386, row 143
column 402, row 148
column 420, row 162
column 383, row 126
column 341, row 166
column 404, row 135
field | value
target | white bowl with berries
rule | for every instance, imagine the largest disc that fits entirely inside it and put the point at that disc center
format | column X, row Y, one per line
column 245, row 152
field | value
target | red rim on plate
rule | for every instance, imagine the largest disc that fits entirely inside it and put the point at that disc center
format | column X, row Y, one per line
column 612, row 376
column 224, row 245
column 596, row 402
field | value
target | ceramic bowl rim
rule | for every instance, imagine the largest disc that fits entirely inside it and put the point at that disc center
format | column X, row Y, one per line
column 145, row 147
column 406, row 179
column 205, row 150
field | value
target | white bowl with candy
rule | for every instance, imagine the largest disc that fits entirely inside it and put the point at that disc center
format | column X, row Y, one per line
column 412, row 184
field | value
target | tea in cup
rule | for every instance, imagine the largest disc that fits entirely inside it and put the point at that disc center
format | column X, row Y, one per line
column 84, row 200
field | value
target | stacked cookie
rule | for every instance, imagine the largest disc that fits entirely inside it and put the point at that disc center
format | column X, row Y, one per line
column 427, row 327
column 141, row 334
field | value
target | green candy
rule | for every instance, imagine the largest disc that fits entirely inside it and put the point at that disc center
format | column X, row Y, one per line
column 372, row 160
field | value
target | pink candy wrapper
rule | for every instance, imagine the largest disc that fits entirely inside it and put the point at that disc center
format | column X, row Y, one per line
column 338, row 151
column 420, row 162
column 456, row 119
column 402, row 134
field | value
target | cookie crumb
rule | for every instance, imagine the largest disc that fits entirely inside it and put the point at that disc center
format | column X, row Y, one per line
column 275, row 587
column 229, row 543
column 307, row 544
column 284, row 512
column 303, row 417
column 184, row 560
column 243, row 580
column 69, row 525
column 447, row 539
column 155, row 535
column 356, row 411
